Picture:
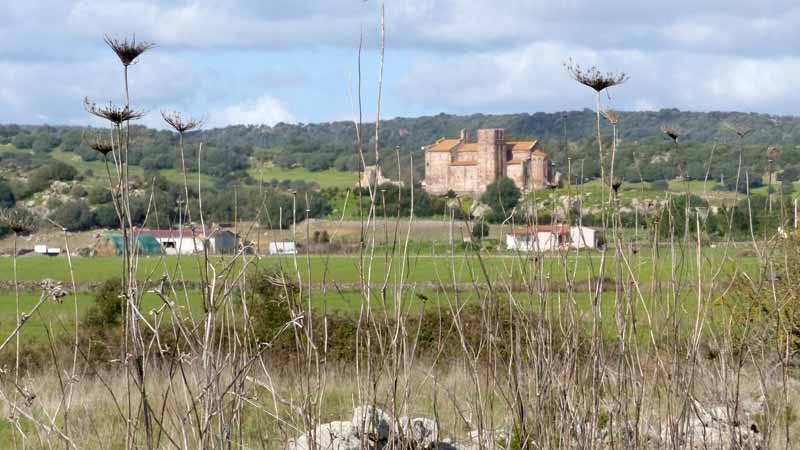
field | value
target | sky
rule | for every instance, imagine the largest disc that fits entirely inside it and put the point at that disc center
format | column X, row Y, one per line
column 267, row 61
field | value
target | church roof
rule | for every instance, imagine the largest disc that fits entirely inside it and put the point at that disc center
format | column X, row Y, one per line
column 444, row 145
column 538, row 153
column 522, row 145
column 468, row 147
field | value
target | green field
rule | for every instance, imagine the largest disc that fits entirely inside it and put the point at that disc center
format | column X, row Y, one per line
column 439, row 268
column 324, row 178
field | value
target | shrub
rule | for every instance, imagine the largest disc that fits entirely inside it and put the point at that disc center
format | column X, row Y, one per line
column 7, row 198
column 106, row 216
column 480, row 230
column 106, row 311
column 74, row 216
column 99, row 195
column 270, row 308
column 501, row 196
column 54, row 171
column 23, row 141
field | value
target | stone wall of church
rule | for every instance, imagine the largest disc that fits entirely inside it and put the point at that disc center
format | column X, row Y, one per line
column 463, row 179
column 437, row 165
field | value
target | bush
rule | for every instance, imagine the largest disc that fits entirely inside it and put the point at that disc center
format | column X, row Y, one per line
column 7, row 198
column 23, row 141
column 105, row 216
column 99, row 195
column 41, row 178
column 106, row 311
column 74, row 216
column 501, row 196
column 480, row 230
column 270, row 308
column 45, row 142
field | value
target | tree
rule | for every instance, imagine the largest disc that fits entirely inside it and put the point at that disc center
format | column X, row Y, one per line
column 74, row 216
column 7, row 198
column 790, row 174
column 674, row 216
column 23, row 141
column 501, row 196
column 45, row 141
column 107, row 308
column 41, row 178
column 106, row 216
column 480, row 230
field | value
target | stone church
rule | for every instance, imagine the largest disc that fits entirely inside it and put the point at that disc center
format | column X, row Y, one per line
column 468, row 167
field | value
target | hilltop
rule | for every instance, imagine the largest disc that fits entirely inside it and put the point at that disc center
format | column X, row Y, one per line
column 53, row 168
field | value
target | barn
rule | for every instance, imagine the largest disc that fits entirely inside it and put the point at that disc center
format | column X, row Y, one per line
column 551, row 237
column 188, row 241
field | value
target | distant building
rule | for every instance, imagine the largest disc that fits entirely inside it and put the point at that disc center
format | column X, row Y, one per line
column 110, row 244
column 551, row 237
column 466, row 167
column 188, row 241
column 42, row 249
column 373, row 176
column 282, row 248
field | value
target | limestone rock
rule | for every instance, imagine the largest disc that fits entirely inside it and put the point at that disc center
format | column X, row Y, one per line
column 329, row 436
column 373, row 422
column 422, row 431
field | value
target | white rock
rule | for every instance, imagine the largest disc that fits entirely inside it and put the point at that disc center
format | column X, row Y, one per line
column 330, row 436
column 424, row 432
column 372, row 422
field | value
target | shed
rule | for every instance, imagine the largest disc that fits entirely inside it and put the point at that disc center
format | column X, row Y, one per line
column 282, row 248
column 551, row 237
column 188, row 241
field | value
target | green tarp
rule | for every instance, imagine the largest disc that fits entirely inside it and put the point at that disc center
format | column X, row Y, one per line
column 148, row 245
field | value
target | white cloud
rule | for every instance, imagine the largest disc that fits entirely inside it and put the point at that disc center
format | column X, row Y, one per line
column 532, row 78
column 264, row 110
column 455, row 55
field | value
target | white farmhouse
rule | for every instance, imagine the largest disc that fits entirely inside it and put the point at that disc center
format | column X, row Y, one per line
column 545, row 238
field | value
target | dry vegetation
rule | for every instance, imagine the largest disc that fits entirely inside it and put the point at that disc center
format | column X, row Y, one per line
column 258, row 364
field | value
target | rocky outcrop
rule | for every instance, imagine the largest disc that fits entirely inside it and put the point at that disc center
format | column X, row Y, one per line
column 372, row 428
column 715, row 427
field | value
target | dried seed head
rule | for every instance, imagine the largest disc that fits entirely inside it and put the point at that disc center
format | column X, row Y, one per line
column 616, row 182
column 611, row 116
column 181, row 125
column 592, row 76
column 742, row 132
column 127, row 51
column 101, row 146
column 112, row 113
column 21, row 221
column 53, row 290
column 672, row 132
column 774, row 151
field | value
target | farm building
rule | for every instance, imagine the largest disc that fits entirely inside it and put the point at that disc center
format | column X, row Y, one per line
column 188, row 241
column 282, row 248
column 551, row 237
column 110, row 244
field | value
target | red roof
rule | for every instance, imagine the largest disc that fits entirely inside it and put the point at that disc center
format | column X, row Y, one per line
column 176, row 234
column 555, row 229
column 522, row 145
column 444, row 145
